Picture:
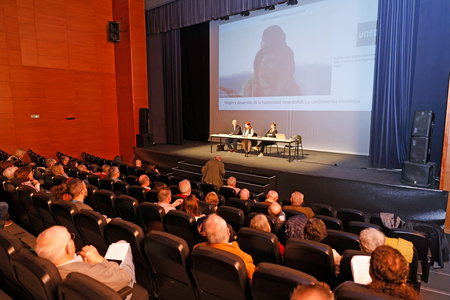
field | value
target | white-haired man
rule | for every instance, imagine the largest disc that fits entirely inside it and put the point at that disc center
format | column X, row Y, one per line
column 231, row 183
column 144, row 181
column 185, row 188
column 114, row 173
column 271, row 197
column 218, row 236
column 297, row 199
column 57, row 245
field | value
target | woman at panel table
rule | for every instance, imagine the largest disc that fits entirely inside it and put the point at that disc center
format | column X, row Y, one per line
column 271, row 133
column 248, row 132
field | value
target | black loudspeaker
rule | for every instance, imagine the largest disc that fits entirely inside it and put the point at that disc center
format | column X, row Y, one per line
column 143, row 120
column 420, row 150
column 114, row 31
column 418, row 174
column 423, row 124
column 144, row 140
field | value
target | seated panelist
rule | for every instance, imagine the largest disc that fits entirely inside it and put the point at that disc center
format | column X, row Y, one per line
column 235, row 130
column 248, row 132
column 271, row 133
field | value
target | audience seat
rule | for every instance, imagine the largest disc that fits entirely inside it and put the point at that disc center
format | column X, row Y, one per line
column 311, row 257
column 127, row 207
column 153, row 176
column 64, row 214
column 260, row 208
column 123, row 169
column 9, row 246
column 25, row 194
column 123, row 230
column 58, row 180
column 137, row 192
column 151, row 216
column 94, row 180
column 184, row 226
column 199, row 194
column 42, row 203
column 132, row 180
column 272, row 281
column 151, row 196
column 90, row 198
column 48, row 180
column 208, row 187
column 107, row 184
column 205, row 208
column 164, row 178
column 105, row 201
column 174, row 189
column 121, row 188
column 17, row 210
column 356, row 227
column 341, row 240
column 421, row 243
column 346, row 215
column 262, row 246
column 232, row 215
column 175, row 180
column 79, row 286
column 322, row 209
column 194, row 184
column 330, row 222
column 73, row 173
column 231, row 282
column 92, row 227
column 168, row 256
column 292, row 212
column 39, row 277
column 227, row 192
column 83, row 175
column 241, row 204
column 376, row 219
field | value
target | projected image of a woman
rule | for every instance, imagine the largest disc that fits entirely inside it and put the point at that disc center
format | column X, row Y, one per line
column 273, row 67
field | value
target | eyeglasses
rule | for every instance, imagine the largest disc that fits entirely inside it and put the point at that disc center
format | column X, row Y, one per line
column 72, row 237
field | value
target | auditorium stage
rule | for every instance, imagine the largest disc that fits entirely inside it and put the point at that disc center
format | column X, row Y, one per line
column 340, row 180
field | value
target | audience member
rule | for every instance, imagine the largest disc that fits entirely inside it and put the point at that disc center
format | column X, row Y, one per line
column 152, row 168
column 24, row 175
column 56, row 244
column 297, row 199
column 260, row 222
column 158, row 185
column 105, row 171
column 213, row 199
column 64, row 160
column 213, row 172
column 138, row 163
column 190, row 206
column 371, row 238
column 49, row 162
column 9, row 172
column 311, row 292
column 118, row 159
column 164, row 199
column 82, row 168
column 58, row 170
column 185, row 188
column 114, row 173
column 144, row 181
column 18, row 156
column 231, row 183
column 316, row 230
column 61, row 192
column 272, row 196
column 4, row 165
column 244, row 194
column 275, row 211
column 4, row 222
column 389, row 272
column 217, row 233
column 295, row 226
column 78, row 190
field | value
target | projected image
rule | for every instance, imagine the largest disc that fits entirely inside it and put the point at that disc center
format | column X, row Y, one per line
column 273, row 66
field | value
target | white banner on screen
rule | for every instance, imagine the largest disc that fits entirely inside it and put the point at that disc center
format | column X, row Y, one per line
column 317, row 56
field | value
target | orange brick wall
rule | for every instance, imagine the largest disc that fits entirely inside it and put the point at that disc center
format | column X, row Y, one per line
column 56, row 62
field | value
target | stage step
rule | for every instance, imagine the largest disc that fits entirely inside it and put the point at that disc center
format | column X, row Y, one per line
column 254, row 183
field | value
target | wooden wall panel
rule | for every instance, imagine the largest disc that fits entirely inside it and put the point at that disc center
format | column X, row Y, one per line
column 56, row 62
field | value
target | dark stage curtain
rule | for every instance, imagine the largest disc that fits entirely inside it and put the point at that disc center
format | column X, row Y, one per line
column 394, row 81
column 195, row 81
column 190, row 12
column 172, row 86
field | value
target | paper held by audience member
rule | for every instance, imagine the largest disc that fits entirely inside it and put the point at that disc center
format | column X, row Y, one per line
column 360, row 269
column 117, row 252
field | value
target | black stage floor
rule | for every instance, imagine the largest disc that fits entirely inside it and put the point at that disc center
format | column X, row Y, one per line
column 340, row 180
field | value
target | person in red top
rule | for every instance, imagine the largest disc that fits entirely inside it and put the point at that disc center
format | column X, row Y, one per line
column 185, row 189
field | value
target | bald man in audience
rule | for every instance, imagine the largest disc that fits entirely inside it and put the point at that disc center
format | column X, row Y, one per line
column 185, row 188
column 213, row 171
column 231, row 183
column 271, row 197
column 244, row 194
column 311, row 292
column 297, row 199
column 57, row 245
column 275, row 211
column 164, row 199
column 144, row 181
column 218, row 236
column 78, row 190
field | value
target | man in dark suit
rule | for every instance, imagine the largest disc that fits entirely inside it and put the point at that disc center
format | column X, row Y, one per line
column 235, row 130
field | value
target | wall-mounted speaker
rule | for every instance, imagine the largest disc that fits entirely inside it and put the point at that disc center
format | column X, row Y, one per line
column 420, row 150
column 114, row 31
column 423, row 123
column 418, row 174
column 144, row 140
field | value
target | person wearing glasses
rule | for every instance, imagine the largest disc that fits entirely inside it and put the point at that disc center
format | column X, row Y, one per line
column 57, row 245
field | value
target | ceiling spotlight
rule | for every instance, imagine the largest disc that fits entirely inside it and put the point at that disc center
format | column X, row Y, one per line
column 270, row 7
column 292, row 2
column 245, row 13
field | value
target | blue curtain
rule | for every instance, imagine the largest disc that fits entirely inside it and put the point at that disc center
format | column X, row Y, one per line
column 394, row 81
